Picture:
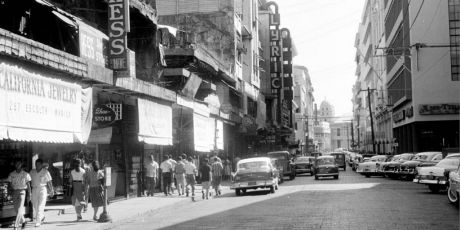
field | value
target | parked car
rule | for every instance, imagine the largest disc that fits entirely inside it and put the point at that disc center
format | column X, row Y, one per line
column 340, row 160
column 284, row 159
column 371, row 167
column 382, row 165
column 303, row 165
column 453, row 191
column 407, row 169
column 325, row 166
column 392, row 167
column 255, row 173
column 437, row 177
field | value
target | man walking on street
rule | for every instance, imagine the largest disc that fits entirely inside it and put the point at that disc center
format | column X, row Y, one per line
column 20, row 181
column 173, row 177
column 151, row 175
column 217, row 169
column 41, row 179
column 206, row 175
column 190, row 172
column 166, row 171
column 179, row 172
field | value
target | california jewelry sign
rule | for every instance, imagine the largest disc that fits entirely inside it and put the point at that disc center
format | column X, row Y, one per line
column 29, row 100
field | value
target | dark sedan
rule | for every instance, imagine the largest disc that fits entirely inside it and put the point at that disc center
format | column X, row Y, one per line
column 325, row 166
column 303, row 165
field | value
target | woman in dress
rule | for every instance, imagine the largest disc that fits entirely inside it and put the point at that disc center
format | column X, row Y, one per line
column 95, row 180
column 77, row 176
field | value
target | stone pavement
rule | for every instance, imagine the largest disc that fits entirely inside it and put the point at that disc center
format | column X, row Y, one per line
column 118, row 211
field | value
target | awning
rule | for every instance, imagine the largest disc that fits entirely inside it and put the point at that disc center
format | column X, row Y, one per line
column 171, row 30
column 155, row 123
column 100, row 136
column 32, row 135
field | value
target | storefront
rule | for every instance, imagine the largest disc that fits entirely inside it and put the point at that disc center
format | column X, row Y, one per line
column 42, row 115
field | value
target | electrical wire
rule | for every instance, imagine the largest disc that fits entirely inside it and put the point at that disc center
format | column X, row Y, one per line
column 416, row 16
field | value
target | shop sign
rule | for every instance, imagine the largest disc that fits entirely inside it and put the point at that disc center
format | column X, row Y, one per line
column 398, row 116
column 108, row 176
column 103, row 115
column 439, row 109
column 91, row 43
column 37, row 108
column 226, row 108
column 118, row 28
column 410, row 112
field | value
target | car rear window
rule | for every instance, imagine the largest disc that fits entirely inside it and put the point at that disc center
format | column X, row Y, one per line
column 253, row 165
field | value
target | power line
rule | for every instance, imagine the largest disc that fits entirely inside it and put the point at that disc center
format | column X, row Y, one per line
column 418, row 12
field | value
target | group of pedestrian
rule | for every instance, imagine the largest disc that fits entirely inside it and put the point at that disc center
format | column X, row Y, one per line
column 180, row 173
column 36, row 186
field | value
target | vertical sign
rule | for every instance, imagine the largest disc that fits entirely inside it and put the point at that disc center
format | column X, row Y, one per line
column 118, row 29
column 287, row 77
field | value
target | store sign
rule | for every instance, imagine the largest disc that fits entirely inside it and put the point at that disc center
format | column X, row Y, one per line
column 108, row 176
column 118, row 29
column 399, row 116
column 439, row 109
column 410, row 112
column 37, row 108
column 103, row 115
column 275, row 51
column 91, row 43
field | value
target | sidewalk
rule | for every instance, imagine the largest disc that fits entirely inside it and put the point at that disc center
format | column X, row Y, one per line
column 118, row 211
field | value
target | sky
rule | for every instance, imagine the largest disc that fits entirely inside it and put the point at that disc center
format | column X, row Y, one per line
column 324, row 33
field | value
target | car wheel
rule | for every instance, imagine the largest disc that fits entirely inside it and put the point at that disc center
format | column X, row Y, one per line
column 367, row 176
column 433, row 188
column 336, row 177
column 291, row 177
column 453, row 195
column 316, row 178
column 237, row 192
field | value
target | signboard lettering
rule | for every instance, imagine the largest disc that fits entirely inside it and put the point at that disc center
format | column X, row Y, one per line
column 398, row 116
column 118, row 28
column 276, row 83
column 439, row 109
column 103, row 115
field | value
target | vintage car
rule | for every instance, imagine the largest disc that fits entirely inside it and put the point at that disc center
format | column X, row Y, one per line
column 303, row 165
column 407, row 169
column 371, row 167
column 437, row 177
column 453, row 191
column 382, row 165
column 325, row 166
column 339, row 160
column 254, row 173
column 284, row 159
column 392, row 167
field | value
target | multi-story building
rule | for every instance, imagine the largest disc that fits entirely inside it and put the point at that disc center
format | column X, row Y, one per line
column 341, row 135
column 303, row 97
column 371, row 79
column 322, row 136
column 326, row 112
column 422, row 67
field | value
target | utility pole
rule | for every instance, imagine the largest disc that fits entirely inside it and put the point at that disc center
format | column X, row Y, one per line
column 372, row 119
column 352, row 136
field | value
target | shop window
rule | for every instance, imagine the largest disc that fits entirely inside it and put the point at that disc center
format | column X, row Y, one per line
column 454, row 32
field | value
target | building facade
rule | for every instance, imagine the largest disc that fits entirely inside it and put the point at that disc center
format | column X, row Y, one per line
column 341, row 135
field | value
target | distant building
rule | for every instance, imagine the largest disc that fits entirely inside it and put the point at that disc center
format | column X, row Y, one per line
column 326, row 112
column 323, row 136
column 340, row 135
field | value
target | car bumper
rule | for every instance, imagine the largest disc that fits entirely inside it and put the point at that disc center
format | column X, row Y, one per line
column 327, row 174
column 252, row 184
column 426, row 181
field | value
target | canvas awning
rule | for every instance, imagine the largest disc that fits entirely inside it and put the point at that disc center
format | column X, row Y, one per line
column 155, row 123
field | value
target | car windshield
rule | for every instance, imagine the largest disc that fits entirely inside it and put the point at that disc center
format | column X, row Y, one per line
column 420, row 157
column 325, row 161
column 302, row 160
column 451, row 162
column 405, row 157
column 253, row 165
column 377, row 159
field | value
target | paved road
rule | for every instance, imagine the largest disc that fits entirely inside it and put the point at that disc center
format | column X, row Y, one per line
column 352, row 202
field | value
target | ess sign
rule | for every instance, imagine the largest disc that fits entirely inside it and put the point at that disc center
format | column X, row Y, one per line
column 118, row 29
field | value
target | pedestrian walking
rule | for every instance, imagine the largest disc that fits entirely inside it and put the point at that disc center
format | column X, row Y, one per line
column 173, row 176
column 190, row 173
column 206, row 175
column 20, row 182
column 151, row 175
column 179, row 172
column 166, row 171
column 95, row 181
column 41, row 187
column 77, row 176
column 227, row 169
column 217, row 170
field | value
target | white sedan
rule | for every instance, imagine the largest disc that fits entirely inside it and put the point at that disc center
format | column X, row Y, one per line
column 371, row 167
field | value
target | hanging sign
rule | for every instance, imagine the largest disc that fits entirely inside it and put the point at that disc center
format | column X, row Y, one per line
column 118, row 29
column 103, row 115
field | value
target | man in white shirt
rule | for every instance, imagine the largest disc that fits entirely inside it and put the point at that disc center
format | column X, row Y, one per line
column 41, row 179
column 151, row 175
column 190, row 172
column 166, row 171
column 20, row 182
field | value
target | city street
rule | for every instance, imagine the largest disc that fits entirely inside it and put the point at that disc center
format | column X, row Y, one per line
column 352, row 202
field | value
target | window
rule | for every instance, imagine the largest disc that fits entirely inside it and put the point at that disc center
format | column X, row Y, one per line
column 338, row 132
column 339, row 144
column 454, row 31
